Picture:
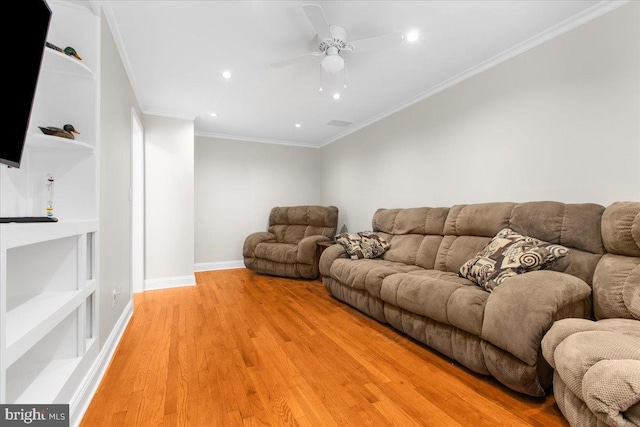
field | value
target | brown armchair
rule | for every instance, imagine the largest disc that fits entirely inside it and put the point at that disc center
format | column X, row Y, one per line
column 289, row 247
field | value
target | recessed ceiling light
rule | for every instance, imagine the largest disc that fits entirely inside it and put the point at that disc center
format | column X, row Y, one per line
column 298, row 125
column 336, row 96
column 213, row 114
column 226, row 74
column 412, row 36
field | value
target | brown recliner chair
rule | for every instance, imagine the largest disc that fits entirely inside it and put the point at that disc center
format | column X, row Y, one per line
column 597, row 363
column 289, row 248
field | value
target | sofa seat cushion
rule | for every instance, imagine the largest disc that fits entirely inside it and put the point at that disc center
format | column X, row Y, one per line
column 367, row 274
column 439, row 295
column 622, row 326
column 277, row 252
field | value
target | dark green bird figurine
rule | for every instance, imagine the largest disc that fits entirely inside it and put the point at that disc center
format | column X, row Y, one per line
column 67, row 131
column 67, row 50
column 71, row 52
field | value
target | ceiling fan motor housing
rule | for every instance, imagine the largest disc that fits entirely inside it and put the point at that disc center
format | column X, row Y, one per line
column 339, row 39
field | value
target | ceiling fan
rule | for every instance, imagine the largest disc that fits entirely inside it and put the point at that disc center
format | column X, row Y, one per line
column 333, row 42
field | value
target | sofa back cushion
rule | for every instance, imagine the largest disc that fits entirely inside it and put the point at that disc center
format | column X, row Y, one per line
column 576, row 226
column 290, row 224
column 414, row 234
column 616, row 283
column 445, row 238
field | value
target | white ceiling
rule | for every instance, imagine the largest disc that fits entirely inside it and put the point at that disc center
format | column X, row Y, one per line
column 175, row 51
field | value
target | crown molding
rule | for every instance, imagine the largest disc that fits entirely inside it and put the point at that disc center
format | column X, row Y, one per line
column 260, row 140
column 563, row 27
column 117, row 37
column 169, row 114
column 569, row 24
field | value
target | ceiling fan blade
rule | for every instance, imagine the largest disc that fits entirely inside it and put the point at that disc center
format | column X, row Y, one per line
column 295, row 59
column 375, row 43
column 318, row 20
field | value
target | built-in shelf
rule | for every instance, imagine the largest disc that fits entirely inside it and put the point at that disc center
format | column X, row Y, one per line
column 52, row 376
column 35, row 318
column 49, row 271
column 58, row 62
column 89, row 343
column 22, row 234
column 50, row 142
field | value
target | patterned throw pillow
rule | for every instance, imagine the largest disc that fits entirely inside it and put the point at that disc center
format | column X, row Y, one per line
column 509, row 254
column 365, row 244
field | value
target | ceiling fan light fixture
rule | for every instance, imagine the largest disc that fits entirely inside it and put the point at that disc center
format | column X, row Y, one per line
column 336, row 96
column 332, row 63
column 226, row 74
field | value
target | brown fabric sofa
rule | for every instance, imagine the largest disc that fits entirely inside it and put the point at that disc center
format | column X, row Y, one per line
column 415, row 287
column 289, row 248
column 597, row 363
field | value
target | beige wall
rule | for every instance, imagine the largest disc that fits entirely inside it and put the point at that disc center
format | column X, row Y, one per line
column 169, row 215
column 236, row 185
column 116, row 101
column 559, row 122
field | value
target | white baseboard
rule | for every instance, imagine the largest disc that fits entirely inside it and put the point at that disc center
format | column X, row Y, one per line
column 222, row 265
column 169, row 282
column 89, row 385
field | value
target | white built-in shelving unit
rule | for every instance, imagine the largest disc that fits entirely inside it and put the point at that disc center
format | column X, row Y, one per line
column 49, row 271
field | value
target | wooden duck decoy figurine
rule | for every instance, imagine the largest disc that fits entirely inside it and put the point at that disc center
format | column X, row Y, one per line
column 67, row 50
column 67, row 131
column 72, row 52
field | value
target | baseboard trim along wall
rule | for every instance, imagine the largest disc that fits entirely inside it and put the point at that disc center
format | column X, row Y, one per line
column 83, row 396
column 222, row 265
column 169, row 282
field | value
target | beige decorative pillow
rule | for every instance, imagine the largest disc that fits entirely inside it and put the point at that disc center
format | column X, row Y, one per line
column 509, row 254
column 365, row 244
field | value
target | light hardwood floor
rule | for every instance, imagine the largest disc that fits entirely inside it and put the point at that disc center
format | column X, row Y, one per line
column 244, row 349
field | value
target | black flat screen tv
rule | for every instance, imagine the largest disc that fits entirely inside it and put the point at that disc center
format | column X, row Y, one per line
column 29, row 26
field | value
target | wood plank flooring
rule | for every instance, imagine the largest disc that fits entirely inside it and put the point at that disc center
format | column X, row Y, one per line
column 240, row 349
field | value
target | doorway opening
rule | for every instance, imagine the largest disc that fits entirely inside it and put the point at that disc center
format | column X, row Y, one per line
column 137, row 203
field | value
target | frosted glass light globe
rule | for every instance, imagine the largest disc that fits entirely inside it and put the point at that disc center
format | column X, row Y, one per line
column 333, row 63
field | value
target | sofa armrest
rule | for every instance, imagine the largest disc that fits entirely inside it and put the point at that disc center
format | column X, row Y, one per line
column 610, row 388
column 521, row 310
column 564, row 328
column 252, row 241
column 308, row 248
column 329, row 255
